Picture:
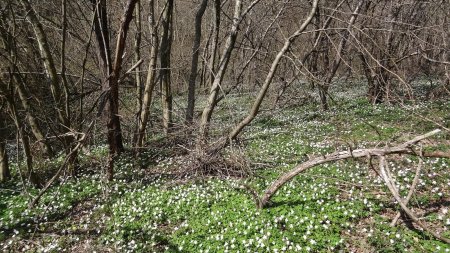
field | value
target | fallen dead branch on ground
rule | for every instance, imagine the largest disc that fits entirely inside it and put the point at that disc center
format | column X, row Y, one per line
column 404, row 148
column 385, row 174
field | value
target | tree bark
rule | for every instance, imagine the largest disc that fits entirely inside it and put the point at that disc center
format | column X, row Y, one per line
column 16, row 78
column 4, row 164
column 150, row 81
column 32, row 177
column 165, row 72
column 111, row 73
column 214, row 42
column 49, row 63
column 32, row 121
column 137, row 58
column 212, row 98
column 194, row 62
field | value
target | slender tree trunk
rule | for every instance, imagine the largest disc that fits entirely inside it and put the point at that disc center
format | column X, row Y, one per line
column 49, row 63
column 324, row 87
column 32, row 177
column 69, row 139
column 111, row 73
column 137, row 58
column 32, row 121
column 380, row 86
column 83, row 73
column 63, row 69
column 150, row 81
column 194, row 63
column 214, row 42
column 16, row 78
column 212, row 99
column 313, row 61
column 165, row 72
column 262, row 93
column 4, row 165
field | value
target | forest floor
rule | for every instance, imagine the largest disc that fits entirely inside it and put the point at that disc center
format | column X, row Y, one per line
column 341, row 206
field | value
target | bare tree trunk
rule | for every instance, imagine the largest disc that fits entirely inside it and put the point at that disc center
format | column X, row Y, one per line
column 238, row 16
column 83, row 73
column 380, row 90
column 150, row 81
column 4, row 165
column 63, row 68
column 32, row 121
column 49, row 63
column 313, row 61
column 32, row 177
column 323, row 87
column 69, row 139
column 214, row 42
column 10, row 45
column 212, row 99
column 194, row 63
column 114, row 128
column 165, row 72
column 111, row 74
column 262, row 93
column 137, row 58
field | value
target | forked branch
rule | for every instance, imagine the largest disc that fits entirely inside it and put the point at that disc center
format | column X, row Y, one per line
column 404, row 148
column 384, row 171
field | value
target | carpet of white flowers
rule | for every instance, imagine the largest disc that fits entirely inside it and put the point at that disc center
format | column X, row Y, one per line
column 337, row 206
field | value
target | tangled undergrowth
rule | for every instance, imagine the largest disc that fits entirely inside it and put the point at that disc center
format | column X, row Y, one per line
column 340, row 206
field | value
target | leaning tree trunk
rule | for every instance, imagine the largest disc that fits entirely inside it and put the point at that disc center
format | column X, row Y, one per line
column 32, row 121
column 268, row 81
column 254, row 110
column 114, row 128
column 49, row 63
column 9, row 97
column 212, row 99
column 10, row 45
column 165, row 72
column 194, row 63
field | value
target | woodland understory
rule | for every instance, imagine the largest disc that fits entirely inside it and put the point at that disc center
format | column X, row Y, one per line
column 224, row 126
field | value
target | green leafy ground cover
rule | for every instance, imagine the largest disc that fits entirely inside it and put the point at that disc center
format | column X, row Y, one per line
column 339, row 206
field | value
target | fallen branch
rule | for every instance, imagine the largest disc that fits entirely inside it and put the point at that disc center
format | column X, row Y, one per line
column 384, row 171
column 404, row 148
column 411, row 190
